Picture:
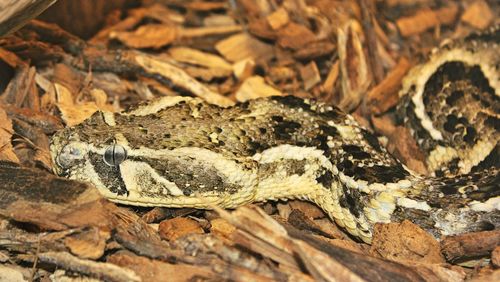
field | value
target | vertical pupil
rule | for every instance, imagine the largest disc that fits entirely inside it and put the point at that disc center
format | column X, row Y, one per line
column 114, row 155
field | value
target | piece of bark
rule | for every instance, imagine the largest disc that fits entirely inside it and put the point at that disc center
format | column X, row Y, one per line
column 243, row 46
column 294, row 36
column 495, row 257
column 478, row 14
column 15, row 13
column 426, row 18
column 48, row 202
column 18, row 89
column 314, row 50
column 401, row 143
column 154, row 65
column 106, row 271
column 278, row 18
column 310, row 75
column 307, row 208
column 356, row 77
column 385, row 95
column 258, row 232
column 255, row 87
column 6, row 150
column 405, row 242
column 331, row 78
column 470, row 244
column 172, row 229
column 221, row 227
column 154, row 270
column 87, row 244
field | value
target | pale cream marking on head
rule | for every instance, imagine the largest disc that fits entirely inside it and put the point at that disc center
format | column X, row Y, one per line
column 290, row 152
column 157, row 105
column 109, row 118
column 130, row 171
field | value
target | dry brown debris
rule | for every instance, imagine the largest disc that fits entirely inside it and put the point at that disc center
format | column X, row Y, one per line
column 353, row 54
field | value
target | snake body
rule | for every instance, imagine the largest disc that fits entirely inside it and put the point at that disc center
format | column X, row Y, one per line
column 184, row 152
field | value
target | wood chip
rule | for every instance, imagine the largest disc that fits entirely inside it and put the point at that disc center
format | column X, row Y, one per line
column 356, row 77
column 426, row 18
column 255, row 87
column 196, row 57
column 147, row 36
column 154, row 270
column 87, row 244
column 106, row 271
column 180, row 78
column 295, row 36
column 221, row 227
column 405, row 242
column 172, row 229
column 385, row 95
column 6, row 150
column 243, row 46
column 478, row 14
column 278, row 18
column 310, row 75
column 495, row 257
column 470, row 244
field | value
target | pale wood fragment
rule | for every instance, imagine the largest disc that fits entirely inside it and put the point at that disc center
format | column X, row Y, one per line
column 147, row 36
column 180, row 78
column 332, row 77
column 385, row 94
column 196, row 57
column 242, row 46
column 310, row 75
column 426, row 18
column 255, row 87
column 278, row 18
column 172, row 229
column 478, row 14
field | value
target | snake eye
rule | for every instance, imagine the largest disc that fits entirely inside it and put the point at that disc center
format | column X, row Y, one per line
column 115, row 155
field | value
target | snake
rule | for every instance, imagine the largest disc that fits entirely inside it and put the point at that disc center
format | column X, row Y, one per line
column 179, row 151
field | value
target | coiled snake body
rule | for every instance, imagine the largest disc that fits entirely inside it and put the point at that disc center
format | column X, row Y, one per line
column 183, row 152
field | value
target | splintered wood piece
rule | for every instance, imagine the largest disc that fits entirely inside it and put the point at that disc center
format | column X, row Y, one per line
column 147, row 36
column 292, row 249
column 385, row 95
column 179, row 77
column 405, row 241
column 356, row 77
column 470, row 244
column 6, row 150
column 208, row 31
column 478, row 14
column 106, row 271
column 172, row 229
column 87, row 244
column 243, row 46
column 278, row 18
column 295, row 36
column 155, row 270
column 426, row 18
column 332, row 77
column 255, row 87
column 196, row 57
column 15, row 13
column 310, row 75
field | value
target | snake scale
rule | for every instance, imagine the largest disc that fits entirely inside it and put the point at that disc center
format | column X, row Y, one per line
column 184, row 152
